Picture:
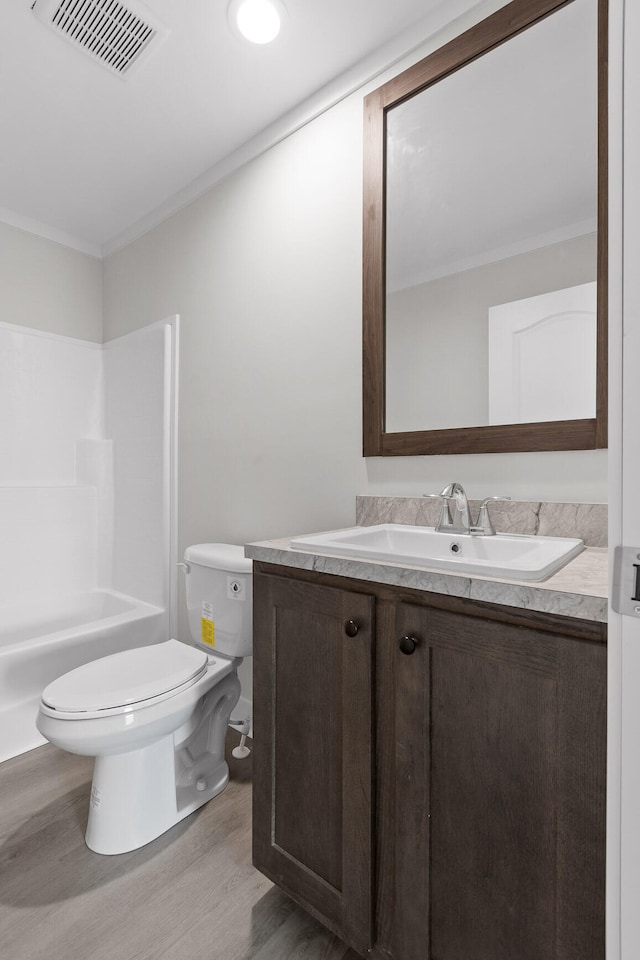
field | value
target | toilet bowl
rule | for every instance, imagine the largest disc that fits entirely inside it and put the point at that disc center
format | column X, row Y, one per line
column 155, row 717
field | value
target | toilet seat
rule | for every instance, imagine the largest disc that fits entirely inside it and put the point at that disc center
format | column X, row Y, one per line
column 118, row 682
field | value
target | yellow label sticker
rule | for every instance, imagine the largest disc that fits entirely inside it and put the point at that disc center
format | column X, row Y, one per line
column 208, row 632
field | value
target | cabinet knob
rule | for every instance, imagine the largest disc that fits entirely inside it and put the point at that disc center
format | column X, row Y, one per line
column 408, row 645
column 351, row 628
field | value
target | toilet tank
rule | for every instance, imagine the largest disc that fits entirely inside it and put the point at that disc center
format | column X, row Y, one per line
column 220, row 598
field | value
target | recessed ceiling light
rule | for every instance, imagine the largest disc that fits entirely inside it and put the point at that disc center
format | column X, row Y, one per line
column 257, row 20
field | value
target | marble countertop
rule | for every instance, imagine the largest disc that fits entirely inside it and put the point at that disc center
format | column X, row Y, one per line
column 579, row 590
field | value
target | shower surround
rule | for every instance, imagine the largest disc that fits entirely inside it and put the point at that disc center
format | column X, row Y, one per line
column 87, row 507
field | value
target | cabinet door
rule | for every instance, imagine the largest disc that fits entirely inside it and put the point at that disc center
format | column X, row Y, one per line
column 498, row 787
column 312, row 757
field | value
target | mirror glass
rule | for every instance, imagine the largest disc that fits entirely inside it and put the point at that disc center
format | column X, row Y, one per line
column 491, row 235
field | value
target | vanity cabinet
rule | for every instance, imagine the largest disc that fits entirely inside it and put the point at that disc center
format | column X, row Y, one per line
column 312, row 804
column 483, row 837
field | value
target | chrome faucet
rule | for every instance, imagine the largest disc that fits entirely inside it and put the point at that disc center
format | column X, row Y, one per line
column 460, row 522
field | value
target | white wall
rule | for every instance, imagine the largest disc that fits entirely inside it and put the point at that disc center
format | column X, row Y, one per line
column 264, row 272
column 49, row 287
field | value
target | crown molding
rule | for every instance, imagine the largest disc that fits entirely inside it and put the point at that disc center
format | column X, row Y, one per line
column 47, row 232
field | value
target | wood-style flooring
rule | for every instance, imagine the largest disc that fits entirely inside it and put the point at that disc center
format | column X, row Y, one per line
column 192, row 894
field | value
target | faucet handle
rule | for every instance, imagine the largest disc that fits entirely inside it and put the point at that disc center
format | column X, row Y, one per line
column 483, row 503
column 484, row 524
column 445, row 520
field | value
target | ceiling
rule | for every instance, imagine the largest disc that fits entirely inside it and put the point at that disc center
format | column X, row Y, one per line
column 92, row 159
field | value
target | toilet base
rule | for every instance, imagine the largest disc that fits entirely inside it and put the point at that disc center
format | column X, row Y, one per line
column 138, row 795
column 124, row 816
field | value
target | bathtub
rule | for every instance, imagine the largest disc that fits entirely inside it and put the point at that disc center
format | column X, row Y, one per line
column 41, row 641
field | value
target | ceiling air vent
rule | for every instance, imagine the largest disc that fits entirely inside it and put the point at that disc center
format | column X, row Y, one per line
column 115, row 35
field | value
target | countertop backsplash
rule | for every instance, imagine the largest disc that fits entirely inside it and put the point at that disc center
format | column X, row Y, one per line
column 586, row 521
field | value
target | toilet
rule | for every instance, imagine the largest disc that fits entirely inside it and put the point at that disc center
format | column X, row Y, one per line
column 155, row 717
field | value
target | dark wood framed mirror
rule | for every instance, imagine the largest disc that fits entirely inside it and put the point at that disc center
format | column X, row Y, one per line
column 485, row 240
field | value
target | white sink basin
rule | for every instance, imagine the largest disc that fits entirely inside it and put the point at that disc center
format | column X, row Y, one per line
column 502, row 555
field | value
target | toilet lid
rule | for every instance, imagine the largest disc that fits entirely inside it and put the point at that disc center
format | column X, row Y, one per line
column 127, row 677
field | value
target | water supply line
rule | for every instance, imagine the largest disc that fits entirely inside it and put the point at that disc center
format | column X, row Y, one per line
column 242, row 751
